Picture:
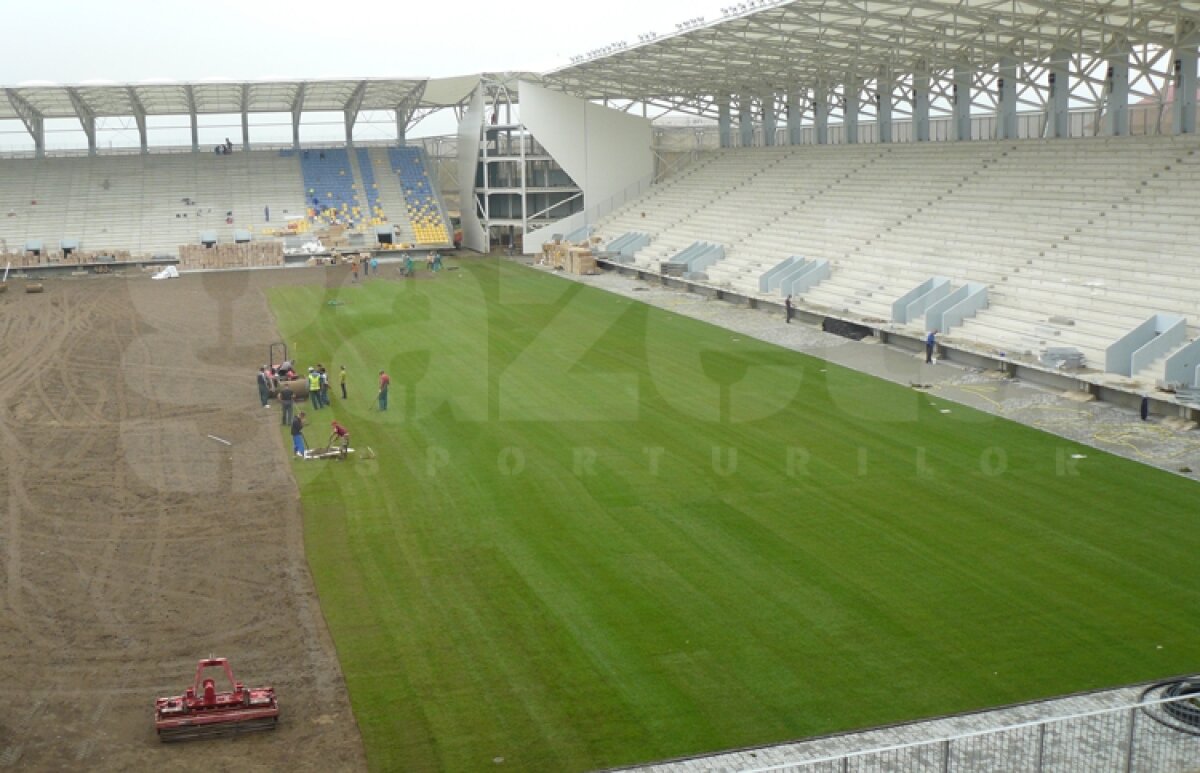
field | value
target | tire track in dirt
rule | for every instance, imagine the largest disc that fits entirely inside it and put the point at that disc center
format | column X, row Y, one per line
column 35, row 345
column 52, row 395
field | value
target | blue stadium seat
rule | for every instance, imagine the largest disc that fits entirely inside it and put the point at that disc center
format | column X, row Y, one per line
column 329, row 179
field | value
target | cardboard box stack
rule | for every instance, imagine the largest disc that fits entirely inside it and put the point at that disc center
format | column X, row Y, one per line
column 20, row 260
column 251, row 255
column 334, row 237
column 580, row 260
column 56, row 257
column 554, row 253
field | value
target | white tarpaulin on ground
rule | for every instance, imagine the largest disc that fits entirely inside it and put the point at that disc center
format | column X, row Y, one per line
column 170, row 272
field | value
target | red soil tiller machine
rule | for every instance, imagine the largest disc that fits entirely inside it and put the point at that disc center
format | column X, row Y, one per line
column 202, row 712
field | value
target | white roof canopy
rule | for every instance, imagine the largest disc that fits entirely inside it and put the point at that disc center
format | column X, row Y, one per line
column 212, row 97
column 763, row 45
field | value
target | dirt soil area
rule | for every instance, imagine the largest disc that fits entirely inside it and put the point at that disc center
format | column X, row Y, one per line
column 132, row 544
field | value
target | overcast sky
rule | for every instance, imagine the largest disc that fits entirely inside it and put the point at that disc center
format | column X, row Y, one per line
column 130, row 41
column 72, row 41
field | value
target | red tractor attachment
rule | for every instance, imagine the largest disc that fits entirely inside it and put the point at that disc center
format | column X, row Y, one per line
column 203, row 712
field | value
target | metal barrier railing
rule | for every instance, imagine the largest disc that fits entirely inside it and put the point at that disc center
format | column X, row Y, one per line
column 1138, row 738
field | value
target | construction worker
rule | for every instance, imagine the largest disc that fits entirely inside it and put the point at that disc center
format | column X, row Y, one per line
column 287, row 399
column 342, row 381
column 324, row 384
column 342, row 436
column 298, row 433
column 384, row 383
column 264, row 386
column 314, row 388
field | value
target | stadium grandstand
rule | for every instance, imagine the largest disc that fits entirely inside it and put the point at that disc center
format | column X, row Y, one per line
column 878, row 177
column 148, row 200
column 1015, row 178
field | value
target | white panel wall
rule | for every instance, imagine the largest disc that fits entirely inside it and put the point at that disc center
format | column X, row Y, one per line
column 470, row 131
column 605, row 151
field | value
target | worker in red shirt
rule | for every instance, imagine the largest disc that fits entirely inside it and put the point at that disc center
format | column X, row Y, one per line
column 342, row 436
column 384, row 383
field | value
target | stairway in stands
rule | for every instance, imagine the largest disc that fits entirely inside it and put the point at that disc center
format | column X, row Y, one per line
column 390, row 194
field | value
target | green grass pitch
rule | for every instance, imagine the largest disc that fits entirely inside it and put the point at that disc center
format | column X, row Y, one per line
column 598, row 533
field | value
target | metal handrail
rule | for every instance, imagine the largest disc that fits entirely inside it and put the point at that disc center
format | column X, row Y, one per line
column 944, row 740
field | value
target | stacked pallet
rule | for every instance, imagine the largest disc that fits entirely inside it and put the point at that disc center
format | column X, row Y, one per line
column 20, row 260
column 554, row 253
column 106, row 256
column 574, row 258
column 56, row 257
column 580, row 260
column 249, row 255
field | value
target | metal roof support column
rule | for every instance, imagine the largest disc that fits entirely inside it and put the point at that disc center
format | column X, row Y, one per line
column 297, row 109
column 350, row 110
column 35, row 124
column 821, row 113
column 795, row 112
column 884, row 92
column 768, row 118
column 89, row 128
column 403, row 114
column 139, row 115
column 963, row 75
column 405, row 111
column 195, row 132
column 190, row 95
column 1184, row 71
column 245, row 116
column 1058, row 103
column 87, row 119
column 1006, row 99
column 525, row 193
column 1116, row 89
column 920, row 98
column 745, row 121
column 724, row 121
column 850, row 92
